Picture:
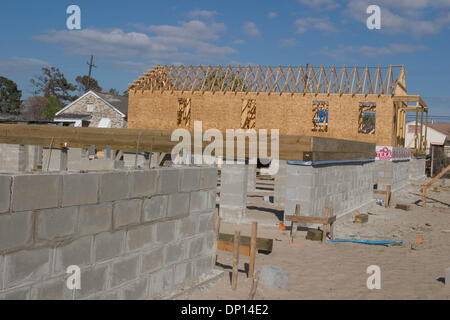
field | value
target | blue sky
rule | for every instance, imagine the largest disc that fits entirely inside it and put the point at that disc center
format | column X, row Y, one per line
column 128, row 37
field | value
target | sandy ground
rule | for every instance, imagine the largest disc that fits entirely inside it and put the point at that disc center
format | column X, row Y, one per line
column 338, row 270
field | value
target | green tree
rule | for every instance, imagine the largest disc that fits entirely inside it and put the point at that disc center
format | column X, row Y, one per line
column 114, row 92
column 33, row 108
column 51, row 107
column 9, row 96
column 52, row 83
column 125, row 93
column 84, row 84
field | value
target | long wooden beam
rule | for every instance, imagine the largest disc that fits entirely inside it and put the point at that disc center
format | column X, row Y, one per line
column 301, row 148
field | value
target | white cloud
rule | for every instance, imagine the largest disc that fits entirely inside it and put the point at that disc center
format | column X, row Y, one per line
column 320, row 4
column 288, row 42
column 239, row 41
column 201, row 14
column 303, row 24
column 272, row 15
column 251, row 29
column 343, row 52
column 17, row 66
column 189, row 41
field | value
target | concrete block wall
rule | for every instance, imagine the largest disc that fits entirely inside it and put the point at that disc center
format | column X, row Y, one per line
column 13, row 158
column 279, row 188
column 393, row 173
column 233, row 192
column 416, row 168
column 135, row 234
column 345, row 186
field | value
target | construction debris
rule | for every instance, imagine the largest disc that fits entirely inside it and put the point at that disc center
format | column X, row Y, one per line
column 361, row 218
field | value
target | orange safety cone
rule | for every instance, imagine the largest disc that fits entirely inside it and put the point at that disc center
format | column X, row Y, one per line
column 420, row 239
column 356, row 213
column 281, row 226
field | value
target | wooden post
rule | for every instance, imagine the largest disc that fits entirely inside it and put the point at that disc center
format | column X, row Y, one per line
column 252, row 293
column 234, row 274
column 424, row 197
column 216, row 236
column 251, row 268
column 325, row 225
column 332, row 224
column 50, row 153
column 294, row 224
column 388, row 196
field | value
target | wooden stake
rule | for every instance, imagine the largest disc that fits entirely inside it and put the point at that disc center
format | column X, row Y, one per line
column 234, row 274
column 216, row 236
column 294, row 224
column 325, row 225
column 251, row 268
column 332, row 224
column 252, row 293
column 50, row 153
column 388, row 196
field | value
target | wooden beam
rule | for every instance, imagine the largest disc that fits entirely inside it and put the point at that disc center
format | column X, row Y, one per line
column 262, row 244
column 234, row 275
column 434, row 180
column 251, row 268
column 307, row 219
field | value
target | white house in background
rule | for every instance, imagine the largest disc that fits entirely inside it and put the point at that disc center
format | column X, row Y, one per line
column 437, row 134
column 95, row 109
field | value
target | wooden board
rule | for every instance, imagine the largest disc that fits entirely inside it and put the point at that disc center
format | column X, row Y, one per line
column 262, row 244
column 306, row 219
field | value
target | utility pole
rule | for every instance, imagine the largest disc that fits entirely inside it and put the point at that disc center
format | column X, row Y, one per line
column 90, row 64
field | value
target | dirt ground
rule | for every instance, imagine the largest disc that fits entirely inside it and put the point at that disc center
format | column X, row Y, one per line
column 338, row 270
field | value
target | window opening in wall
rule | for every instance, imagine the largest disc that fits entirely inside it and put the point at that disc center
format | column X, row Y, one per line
column 248, row 114
column 320, row 116
column 367, row 117
column 184, row 112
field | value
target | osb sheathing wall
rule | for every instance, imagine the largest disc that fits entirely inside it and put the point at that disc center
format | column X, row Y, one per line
column 290, row 113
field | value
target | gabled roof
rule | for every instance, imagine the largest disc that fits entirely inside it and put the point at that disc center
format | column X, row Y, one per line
column 118, row 103
column 442, row 127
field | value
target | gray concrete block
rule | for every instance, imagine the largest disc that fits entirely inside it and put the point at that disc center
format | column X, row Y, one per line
column 186, row 227
column 169, row 180
column 155, row 208
column 212, row 196
column 140, row 237
column 77, row 253
column 32, row 192
column 27, row 265
column 447, row 277
column 93, row 280
column 190, row 179
column 79, row 189
column 165, row 232
column 56, row 223
column 5, row 193
column 183, row 272
column 206, row 222
column 202, row 266
column 113, row 186
column 196, row 246
column 143, row 183
column 153, row 259
column 2, row 267
column 15, row 230
column 94, row 219
column 161, row 281
column 208, row 178
column 178, row 205
column 199, row 201
column 109, row 245
column 273, row 278
column 127, row 212
column 125, row 270
column 136, row 291
column 175, row 252
column 54, row 289
column 18, row 294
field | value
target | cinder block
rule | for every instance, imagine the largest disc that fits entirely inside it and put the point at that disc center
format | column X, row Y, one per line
column 202, row 266
column 178, row 205
column 196, row 246
column 56, row 223
column 27, row 265
column 15, row 230
column 206, row 222
column 169, row 180
column 273, row 278
column 447, row 277
column 199, row 201
column 127, row 212
column 137, row 290
column 140, row 237
column 18, row 294
column 113, row 186
column 155, row 208
column 208, row 178
column 94, row 219
column 161, row 281
column 183, row 272
column 186, row 227
column 54, row 289
column 93, row 280
column 165, row 232
column 109, row 245
column 5, row 193
column 212, row 196
column 79, row 189
column 32, row 192
column 153, row 259
column 76, row 253
column 175, row 252
column 190, row 179
column 143, row 183
column 125, row 270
